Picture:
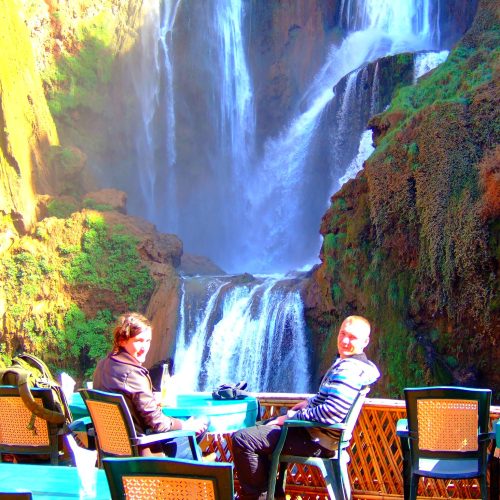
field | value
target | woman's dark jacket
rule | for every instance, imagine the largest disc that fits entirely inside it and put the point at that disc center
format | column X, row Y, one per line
column 121, row 373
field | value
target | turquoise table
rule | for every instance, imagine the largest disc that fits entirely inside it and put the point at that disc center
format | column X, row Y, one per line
column 225, row 415
column 46, row 481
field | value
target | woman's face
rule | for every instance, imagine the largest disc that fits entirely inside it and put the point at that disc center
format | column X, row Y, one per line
column 139, row 345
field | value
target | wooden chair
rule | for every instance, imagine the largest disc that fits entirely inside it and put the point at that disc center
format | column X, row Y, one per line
column 115, row 431
column 24, row 433
column 445, row 435
column 334, row 469
column 175, row 479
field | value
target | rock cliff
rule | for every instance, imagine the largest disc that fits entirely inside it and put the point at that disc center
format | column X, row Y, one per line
column 70, row 260
column 413, row 241
column 27, row 130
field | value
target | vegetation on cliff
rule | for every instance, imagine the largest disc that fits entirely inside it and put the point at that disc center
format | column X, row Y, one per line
column 70, row 260
column 65, row 283
column 413, row 241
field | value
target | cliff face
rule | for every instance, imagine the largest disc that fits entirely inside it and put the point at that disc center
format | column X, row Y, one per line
column 413, row 241
column 287, row 41
column 69, row 260
column 27, row 130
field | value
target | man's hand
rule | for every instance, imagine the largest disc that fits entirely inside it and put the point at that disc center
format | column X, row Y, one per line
column 300, row 405
column 278, row 420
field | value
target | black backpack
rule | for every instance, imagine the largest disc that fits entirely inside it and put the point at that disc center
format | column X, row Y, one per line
column 29, row 371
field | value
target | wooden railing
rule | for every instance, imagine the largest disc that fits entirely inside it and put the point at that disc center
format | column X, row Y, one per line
column 375, row 468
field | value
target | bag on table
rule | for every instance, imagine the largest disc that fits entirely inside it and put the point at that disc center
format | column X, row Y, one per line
column 231, row 391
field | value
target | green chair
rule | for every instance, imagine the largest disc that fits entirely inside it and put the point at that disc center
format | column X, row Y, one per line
column 334, row 469
column 115, row 432
column 445, row 435
column 175, row 479
column 24, row 433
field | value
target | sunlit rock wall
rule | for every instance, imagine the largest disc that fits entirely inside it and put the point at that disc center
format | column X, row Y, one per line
column 26, row 127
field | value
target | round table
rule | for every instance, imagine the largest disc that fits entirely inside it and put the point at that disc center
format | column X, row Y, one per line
column 225, row 415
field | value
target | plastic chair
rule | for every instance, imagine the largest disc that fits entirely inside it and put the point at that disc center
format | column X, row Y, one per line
column 115, row 431
column 445, row 435
column 175, row 479
column 24, row 433
column 334, row 469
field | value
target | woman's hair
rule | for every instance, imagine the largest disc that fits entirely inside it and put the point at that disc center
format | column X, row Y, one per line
column 129, row 325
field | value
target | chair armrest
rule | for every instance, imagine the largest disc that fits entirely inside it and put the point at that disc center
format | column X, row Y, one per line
column 309, row 423
column 402, row 428
column 164, row 436
column 487, row 436
column 80, row 425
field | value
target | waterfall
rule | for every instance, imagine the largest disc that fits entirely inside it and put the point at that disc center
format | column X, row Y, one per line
column 257, row 334
column 248, row 202
column 146, row 85
column 237, row 127
column 288, row 178
column 365, row 150
column 168, row 16
column 404, row 20
column 203, row 176
column 426, row 61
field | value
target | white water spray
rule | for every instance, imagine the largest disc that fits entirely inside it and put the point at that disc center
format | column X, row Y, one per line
column 365, row 150
column 427, row 61
column 257, row 335
column 168, row 16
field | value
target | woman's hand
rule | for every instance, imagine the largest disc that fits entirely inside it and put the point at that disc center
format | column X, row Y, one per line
column 198, row 425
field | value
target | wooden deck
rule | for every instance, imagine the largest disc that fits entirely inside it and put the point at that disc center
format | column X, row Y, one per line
column 376, row 460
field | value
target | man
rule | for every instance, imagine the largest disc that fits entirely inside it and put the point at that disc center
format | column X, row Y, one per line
column 351, row 371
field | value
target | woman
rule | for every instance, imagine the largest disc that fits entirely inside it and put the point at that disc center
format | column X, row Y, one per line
column 122, row 371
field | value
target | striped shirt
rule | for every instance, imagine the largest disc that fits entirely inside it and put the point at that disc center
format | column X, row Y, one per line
column 338, row 390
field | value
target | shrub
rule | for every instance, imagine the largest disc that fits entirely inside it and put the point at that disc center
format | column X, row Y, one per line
column 88, row 340
column 109, row 260
column 61, row 209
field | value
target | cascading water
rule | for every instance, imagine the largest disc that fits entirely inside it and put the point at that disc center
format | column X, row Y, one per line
column 251, row 331
column 426, row 61
column 146, row 84
column 168, row 15
column 253, row 207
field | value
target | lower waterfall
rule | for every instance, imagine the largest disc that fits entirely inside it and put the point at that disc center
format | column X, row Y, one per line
column 234, row 328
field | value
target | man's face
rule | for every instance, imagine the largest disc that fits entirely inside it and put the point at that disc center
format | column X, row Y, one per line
column 353, row 338
column 138, row 346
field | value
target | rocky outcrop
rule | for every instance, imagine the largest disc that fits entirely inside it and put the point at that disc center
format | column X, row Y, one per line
column 112, row 198
column 193, row 265
column 287, row 42
column 63, row 283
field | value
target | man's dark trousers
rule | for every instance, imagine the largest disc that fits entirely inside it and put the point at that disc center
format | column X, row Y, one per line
column 252, row 449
